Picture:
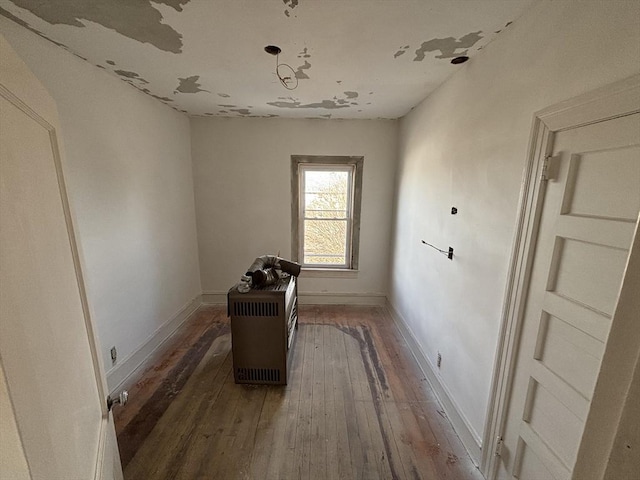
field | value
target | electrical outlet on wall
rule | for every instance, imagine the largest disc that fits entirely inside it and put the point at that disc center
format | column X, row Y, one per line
column 114, row 355
column 439, row 360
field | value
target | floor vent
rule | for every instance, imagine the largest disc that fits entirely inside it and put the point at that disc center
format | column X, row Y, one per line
column 257, row 375
column 255, row 309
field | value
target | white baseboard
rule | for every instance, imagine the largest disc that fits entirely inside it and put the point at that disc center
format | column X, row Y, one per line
column 310, row 298
column 469, row 437
column 121, row 373
column 214, row 298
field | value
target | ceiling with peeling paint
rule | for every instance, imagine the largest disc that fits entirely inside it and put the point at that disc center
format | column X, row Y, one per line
column 350, row 58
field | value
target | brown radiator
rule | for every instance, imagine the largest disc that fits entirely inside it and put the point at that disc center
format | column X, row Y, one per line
column 263, row 324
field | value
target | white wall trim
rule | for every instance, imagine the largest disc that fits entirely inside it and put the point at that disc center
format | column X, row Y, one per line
column 469, row 437
column 312, row 298
column 325, row 298
column 214, row 298
column 328, row 273
column 121, row 373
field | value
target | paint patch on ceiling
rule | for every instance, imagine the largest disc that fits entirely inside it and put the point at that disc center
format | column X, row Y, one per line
column 304, row 53
column 329, row 104
column 138, row 20
column 300, row 75
column 448, row 46
column 351, row 94
column 401, row 51
column 190, row 85
column 241, row 111
column 224, row 95
column 164, row 99
column 291, row 4
column 175, row 4
column 131, row 75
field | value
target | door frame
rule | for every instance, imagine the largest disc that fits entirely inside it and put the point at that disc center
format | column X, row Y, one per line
column 616, row 100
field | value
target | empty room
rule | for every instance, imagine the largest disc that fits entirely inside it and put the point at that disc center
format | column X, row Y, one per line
column 303, row 239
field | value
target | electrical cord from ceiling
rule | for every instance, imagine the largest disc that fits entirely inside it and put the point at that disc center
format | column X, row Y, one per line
column 286, row 80
column 285, row 73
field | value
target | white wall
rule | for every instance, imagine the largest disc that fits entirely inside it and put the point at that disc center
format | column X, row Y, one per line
column 465, row 146
column 242, row 172
column 13, row 463
column 624, row 461
column 129, row 177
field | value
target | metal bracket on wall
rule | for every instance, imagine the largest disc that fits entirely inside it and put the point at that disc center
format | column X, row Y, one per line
column 448, row 253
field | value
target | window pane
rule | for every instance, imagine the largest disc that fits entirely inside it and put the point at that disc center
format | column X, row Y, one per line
column 335, row 214
column 334, row 204
column 326, row 181
column 326, row 194
column 325, row 242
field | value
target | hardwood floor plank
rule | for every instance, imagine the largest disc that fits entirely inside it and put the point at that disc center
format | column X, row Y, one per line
column 318, row 438
column 345, row 385
column 338, row 461
column 206, row 451
column 367, row 425
column 269, row 440
column 237, row 461
column 285, row 419
column 299, row 466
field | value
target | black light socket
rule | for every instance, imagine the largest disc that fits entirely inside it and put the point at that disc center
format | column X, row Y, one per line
column 459, row 60
column 272, row 49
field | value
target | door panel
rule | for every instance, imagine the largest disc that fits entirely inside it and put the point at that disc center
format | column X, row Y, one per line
column 569, row 352
column 617, row 178
column 54, row 379
column 587, row 273
column 586, row 227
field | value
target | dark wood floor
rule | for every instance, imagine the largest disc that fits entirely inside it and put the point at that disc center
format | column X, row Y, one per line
column 356, row 407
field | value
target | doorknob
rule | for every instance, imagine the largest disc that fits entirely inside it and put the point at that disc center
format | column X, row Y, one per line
column 120, row 399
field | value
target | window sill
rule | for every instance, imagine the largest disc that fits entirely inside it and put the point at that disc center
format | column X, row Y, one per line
column 328, row 273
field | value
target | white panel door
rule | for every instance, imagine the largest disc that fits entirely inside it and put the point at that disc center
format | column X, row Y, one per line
column 48, row 353
column 587, row 223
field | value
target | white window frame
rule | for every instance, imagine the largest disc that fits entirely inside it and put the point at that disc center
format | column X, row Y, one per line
column 352, row 165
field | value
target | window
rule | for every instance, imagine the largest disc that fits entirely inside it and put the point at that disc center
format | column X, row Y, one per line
column 326, row 193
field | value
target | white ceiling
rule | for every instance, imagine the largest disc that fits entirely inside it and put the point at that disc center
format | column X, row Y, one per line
column 352, row 58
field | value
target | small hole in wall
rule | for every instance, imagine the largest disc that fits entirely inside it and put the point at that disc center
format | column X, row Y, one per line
column 459, row 60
